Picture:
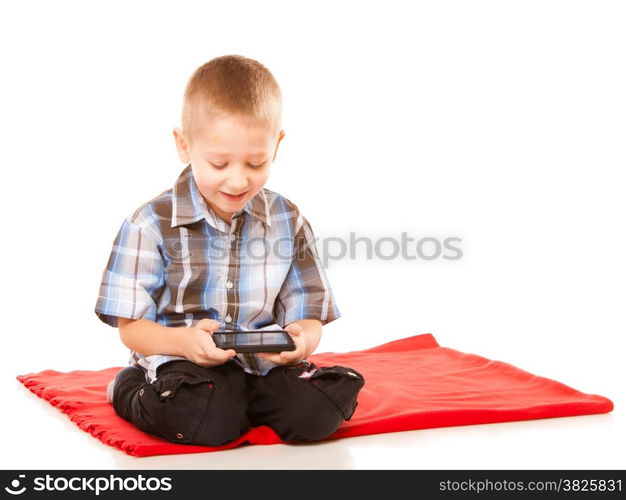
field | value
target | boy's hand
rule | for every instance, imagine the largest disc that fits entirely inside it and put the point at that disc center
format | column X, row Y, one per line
column 298, row 335
column 199, row 346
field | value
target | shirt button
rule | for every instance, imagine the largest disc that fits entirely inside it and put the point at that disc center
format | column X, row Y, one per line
column 228, row 319
column 229, row 285
column 233, row 237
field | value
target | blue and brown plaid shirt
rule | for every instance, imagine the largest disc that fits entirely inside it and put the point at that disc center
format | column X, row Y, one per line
column 175, row 262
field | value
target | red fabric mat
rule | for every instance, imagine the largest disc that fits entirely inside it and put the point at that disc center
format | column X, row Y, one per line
column 411, row 383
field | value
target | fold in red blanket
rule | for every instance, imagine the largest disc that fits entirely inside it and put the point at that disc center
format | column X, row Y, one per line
column 412, row 383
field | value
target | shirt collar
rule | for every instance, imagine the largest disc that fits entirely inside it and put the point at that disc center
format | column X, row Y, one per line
column 188, row 204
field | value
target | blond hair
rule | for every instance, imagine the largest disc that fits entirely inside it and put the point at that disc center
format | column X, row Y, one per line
column 231, row 84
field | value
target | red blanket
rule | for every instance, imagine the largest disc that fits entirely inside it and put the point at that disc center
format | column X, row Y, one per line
column 411, row 383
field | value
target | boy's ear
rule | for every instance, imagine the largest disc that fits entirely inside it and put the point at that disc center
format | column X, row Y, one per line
column 182, row 146
column 280, row 138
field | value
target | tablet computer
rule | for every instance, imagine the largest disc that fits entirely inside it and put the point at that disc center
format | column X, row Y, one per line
column 254, row 340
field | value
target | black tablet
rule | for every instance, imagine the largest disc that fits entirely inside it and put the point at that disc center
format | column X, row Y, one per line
column 254, row 340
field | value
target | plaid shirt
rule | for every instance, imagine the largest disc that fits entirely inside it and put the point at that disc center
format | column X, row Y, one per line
column 175, row 262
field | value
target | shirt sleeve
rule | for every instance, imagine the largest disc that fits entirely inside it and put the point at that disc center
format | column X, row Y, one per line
column 133, row 279
column 305, row 293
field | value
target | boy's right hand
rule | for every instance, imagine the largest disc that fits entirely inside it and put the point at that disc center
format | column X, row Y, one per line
column 199, row 346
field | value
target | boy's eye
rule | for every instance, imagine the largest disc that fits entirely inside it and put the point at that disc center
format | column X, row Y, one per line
column 226, row 164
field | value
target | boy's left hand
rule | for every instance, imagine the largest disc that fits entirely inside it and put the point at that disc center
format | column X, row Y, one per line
column 297, row 333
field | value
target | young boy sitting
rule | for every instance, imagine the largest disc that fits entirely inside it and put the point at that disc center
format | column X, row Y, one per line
column 220, row 251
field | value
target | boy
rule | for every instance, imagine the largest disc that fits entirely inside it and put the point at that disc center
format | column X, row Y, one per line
column 220, row 251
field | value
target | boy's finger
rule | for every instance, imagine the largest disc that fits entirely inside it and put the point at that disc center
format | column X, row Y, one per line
column 274, row 358
column 294, row 330
column 226, row 355
column 289, row 356
column 208, row 324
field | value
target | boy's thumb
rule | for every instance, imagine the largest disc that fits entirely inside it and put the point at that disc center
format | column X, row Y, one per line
column 208, row 324
column 295, row 330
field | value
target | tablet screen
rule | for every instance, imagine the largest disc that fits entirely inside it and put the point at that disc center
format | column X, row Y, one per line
column 252, row 338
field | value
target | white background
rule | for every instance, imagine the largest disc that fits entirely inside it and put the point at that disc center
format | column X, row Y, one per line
column 501, row 123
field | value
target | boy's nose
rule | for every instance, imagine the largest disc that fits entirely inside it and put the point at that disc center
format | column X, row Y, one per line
column 236, row 188
column 237, row 184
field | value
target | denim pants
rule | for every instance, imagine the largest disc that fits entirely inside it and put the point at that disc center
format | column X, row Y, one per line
column 211, row 406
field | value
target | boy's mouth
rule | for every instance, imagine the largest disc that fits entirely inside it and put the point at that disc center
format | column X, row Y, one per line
column 231, row 197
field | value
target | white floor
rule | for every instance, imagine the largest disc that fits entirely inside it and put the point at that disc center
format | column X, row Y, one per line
column 38, row 436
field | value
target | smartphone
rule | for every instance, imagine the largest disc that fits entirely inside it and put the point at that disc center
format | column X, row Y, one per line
column 254, row 340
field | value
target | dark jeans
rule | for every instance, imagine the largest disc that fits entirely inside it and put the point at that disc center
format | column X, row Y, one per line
column 193, row 404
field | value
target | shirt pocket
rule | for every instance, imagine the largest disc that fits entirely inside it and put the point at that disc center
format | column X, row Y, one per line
column 187, row 262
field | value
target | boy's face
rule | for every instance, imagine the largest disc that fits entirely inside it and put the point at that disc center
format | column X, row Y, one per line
column 230, row 155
